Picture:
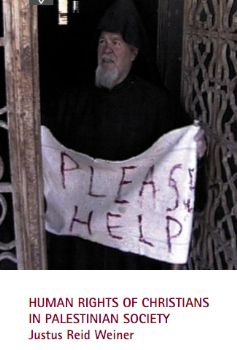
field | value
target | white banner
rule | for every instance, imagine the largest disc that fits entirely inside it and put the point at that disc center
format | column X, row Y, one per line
column 142, row 205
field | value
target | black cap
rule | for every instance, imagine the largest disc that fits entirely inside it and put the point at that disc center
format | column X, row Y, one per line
column 122, row 17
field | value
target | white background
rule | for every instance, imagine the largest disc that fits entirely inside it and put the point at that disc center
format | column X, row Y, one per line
column 191, row 328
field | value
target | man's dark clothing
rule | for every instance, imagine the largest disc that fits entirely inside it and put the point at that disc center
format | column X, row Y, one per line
column 115, row 125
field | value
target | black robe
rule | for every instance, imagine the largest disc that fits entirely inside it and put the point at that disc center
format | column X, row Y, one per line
column 114, row 125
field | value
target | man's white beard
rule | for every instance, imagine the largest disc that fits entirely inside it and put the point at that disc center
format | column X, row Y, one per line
column 106, row 77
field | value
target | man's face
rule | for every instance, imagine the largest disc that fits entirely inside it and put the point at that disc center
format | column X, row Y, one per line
column 115, row 57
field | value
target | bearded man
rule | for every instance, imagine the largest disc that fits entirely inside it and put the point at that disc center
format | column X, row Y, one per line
column 118, row 117
column 115, row 58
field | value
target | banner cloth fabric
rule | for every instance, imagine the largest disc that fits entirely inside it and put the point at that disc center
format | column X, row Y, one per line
column 142, row 205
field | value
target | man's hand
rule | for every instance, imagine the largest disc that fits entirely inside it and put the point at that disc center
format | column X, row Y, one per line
column 201, row 143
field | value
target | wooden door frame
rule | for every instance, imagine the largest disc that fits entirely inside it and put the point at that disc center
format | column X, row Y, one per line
column 23, row 115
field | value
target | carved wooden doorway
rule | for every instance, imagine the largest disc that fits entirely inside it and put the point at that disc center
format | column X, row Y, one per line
column 209, row 92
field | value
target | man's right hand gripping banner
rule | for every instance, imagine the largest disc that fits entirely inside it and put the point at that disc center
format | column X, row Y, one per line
column 142, row 205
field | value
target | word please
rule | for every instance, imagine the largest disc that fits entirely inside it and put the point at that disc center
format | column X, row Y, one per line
column 68, row 164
